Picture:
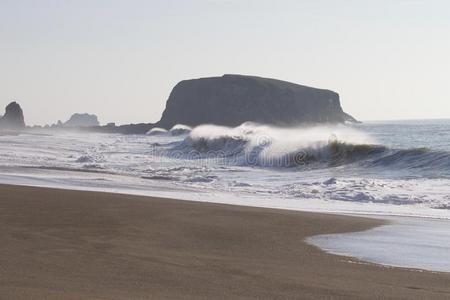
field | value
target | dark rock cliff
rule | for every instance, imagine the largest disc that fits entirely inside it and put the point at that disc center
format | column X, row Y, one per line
column 13, row 117
column 231, row 100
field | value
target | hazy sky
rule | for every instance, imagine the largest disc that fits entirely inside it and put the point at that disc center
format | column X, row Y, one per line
column 120, row 59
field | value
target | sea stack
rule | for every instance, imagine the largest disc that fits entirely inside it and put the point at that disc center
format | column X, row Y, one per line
column 82, row 120
column 13, row 118
column 231, row 100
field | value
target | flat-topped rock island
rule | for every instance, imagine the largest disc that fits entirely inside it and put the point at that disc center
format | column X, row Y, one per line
column 231, row 100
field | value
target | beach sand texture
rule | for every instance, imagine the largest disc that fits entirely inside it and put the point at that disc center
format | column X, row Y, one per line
column 59, row 244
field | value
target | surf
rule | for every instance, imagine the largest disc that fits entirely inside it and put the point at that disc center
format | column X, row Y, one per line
column 313, row 147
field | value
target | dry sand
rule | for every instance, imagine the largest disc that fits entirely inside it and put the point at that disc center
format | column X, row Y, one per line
column 57, row 244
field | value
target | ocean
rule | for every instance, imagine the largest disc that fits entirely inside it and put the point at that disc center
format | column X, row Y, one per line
column 389, row 168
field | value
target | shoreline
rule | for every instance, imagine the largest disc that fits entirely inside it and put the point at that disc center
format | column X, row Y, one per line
column 63, row 244
column 414, row 244
column 344, row 244
column 167, row 192
column 344, row 248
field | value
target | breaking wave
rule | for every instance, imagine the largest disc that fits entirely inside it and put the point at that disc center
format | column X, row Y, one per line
column 176, row 130
column 315, row 147
column 157, row 131
column 180, row 129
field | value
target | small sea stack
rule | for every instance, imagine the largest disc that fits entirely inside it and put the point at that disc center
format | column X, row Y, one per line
column 13, row 118
column 82, row 120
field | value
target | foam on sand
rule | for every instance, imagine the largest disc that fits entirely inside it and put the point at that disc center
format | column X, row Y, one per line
column 408, row 242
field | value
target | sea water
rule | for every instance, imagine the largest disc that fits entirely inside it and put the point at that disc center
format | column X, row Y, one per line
column 397, row 168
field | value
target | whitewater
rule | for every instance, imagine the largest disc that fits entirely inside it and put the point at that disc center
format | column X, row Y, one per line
column 399, row 169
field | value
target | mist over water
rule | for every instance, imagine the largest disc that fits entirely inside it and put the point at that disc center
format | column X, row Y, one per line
column 309, row 148
column 265, row 146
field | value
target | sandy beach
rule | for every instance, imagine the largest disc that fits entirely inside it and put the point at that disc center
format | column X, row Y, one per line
column 59, row 244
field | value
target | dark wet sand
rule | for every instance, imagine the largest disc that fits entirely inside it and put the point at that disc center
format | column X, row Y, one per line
column 57, row 244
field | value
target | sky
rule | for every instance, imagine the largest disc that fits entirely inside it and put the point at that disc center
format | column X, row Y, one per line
column 120, row 59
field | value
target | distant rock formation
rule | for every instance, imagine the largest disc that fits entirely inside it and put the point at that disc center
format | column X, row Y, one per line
column 141, row 128
column 13, row 118
column 57, row 125
column 231, row 100
column 82, row 120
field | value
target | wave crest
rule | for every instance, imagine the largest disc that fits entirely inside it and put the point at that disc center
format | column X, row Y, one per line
column 314, row 147
column 260, row 145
